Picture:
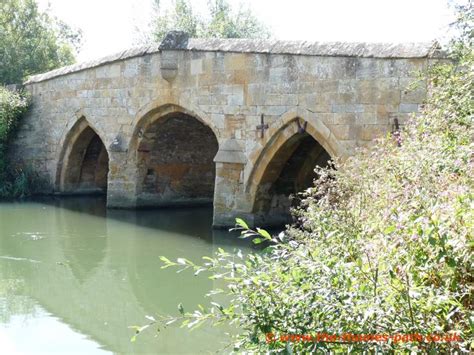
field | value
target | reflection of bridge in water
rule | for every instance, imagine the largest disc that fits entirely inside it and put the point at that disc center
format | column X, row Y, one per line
column 100, row 275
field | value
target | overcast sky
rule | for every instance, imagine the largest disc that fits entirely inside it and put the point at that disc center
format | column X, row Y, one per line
column 109, row 25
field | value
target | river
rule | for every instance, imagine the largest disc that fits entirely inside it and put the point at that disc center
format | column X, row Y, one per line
column 74, row 276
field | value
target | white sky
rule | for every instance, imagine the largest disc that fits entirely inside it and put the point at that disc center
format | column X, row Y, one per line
column 109, row 25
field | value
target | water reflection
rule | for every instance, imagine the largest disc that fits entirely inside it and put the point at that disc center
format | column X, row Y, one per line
column 97, row 271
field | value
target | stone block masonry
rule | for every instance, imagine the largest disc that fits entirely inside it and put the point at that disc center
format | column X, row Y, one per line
column 178, row 122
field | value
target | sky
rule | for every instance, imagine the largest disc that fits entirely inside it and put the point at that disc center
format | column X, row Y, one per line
column 109, row 26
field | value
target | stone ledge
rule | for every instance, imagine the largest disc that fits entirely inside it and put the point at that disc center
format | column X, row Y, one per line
column 74, row 68
column 178, row 41
column 321, row 49
column 230, row 152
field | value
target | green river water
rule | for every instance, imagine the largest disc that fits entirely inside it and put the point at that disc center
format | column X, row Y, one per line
column 74, row 276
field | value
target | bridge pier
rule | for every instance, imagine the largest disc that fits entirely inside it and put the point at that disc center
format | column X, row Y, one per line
column 122, row 182
column 229, row 196
column 230, row 199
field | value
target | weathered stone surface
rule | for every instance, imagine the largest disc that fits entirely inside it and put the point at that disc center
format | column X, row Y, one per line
column 331, row 49
column 178, row 40
column 230, row 152
column 181, row 122
column 174, row 40
column 117, row 144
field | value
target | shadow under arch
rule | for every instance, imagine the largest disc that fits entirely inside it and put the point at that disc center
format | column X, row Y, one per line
column 285, row 166
column 174, row 149
column 83, row 162
column 158, row 109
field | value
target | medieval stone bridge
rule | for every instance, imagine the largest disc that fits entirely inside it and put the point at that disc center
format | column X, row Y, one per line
column 237, row 123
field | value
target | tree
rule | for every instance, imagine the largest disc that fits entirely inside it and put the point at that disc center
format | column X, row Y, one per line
column 225, row 24
column 222, row 21
column 180, row 17
column 32, row 41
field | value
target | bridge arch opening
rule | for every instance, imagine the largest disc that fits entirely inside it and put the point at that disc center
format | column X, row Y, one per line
column 175, row 160
column 288, row 171
column 84, row 165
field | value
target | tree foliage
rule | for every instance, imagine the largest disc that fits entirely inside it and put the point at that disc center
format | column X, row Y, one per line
column 12, row 106
column 32, row 41
column 382, row 245
column 222, row 21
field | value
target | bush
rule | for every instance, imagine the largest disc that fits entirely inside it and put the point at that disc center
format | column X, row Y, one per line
column 13, row 105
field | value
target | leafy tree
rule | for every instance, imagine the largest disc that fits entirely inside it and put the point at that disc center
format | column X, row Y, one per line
column 463, row 40
column 32, row 41
column 225, row 24
column 222, row 22
column 180, row 17
column 383, row 244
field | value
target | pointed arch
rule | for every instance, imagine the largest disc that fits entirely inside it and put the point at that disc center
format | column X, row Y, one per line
column 160, row 108
column 83, row 161
column 287, row 156
column 279, row 132
column 174, row 150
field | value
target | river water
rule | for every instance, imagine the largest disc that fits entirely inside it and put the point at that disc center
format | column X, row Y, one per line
column 74, row 276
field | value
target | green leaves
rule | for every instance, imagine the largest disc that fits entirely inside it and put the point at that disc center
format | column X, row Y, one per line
column 12, row 106
column 167, row 262
column 223, row 21
column 264, row 233
column 258, row 236
column 241, row 223
column 32, row 42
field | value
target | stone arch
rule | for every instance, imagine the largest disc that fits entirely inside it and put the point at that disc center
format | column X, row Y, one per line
column 83, row 162
column 315, row 127
column 173, row 149
column 284, row 146
column 161, row 107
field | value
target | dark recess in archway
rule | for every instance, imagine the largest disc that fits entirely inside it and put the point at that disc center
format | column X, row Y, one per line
column 290, row 171
column 176, row 162
column 87, row 165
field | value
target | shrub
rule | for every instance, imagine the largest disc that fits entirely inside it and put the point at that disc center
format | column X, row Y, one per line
column 12, row 106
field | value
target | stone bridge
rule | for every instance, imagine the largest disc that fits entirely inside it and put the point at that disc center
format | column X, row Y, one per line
column 237, row 123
